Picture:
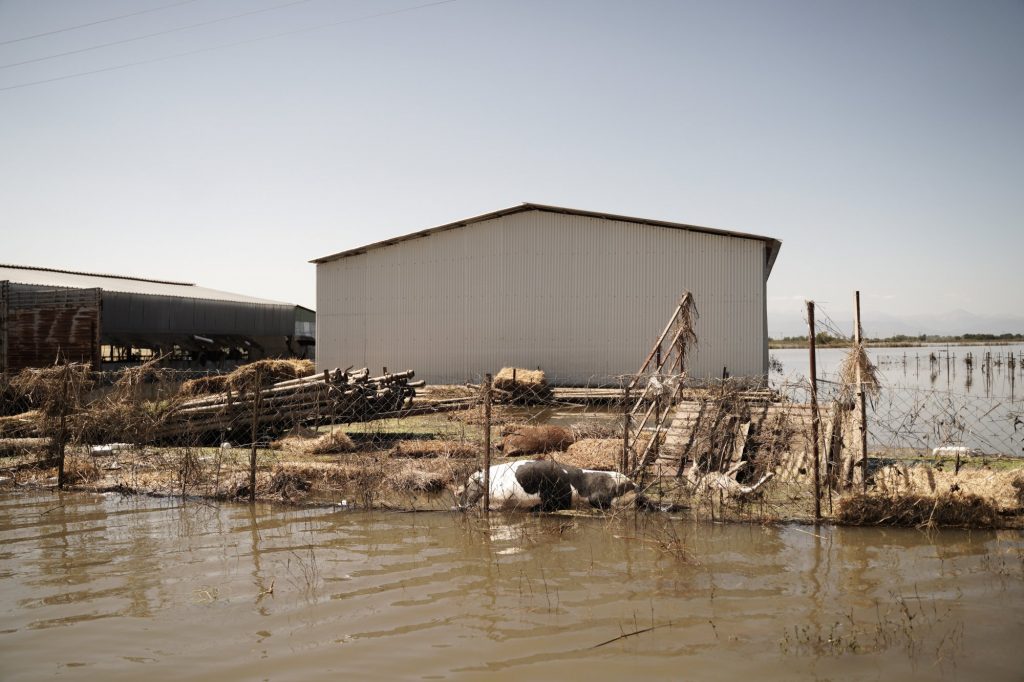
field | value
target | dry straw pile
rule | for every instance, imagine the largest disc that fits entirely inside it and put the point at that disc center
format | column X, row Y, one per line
column 601, row 454
column 522, row 385
column 124, row 414
column 241, row 379
column 435, row 448
column 22, row 425
column 310, row 442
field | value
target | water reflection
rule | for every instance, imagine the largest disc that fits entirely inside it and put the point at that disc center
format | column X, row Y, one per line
column 95, row 586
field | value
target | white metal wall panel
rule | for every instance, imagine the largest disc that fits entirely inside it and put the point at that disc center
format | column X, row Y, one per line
column 581, row 297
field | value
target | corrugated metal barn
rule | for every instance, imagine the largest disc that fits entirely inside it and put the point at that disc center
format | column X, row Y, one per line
column 108, row 318
column 582, row 295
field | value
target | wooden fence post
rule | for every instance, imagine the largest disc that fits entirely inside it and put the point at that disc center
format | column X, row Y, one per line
column 63, row 435
column 257, row 391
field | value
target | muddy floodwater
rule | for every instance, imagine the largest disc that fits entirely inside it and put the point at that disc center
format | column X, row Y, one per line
column 96, row 587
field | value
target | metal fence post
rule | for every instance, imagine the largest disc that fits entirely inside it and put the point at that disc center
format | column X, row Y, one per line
column 487, row 443
column 814, row 410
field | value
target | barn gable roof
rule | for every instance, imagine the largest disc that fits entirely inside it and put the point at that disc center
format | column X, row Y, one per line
column 70, row 279
column 772, row 245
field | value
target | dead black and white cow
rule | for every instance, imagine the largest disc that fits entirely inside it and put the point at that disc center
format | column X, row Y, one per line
column 545, row 485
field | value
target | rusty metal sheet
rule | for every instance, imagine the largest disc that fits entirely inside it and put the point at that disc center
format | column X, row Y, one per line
column 43, row 327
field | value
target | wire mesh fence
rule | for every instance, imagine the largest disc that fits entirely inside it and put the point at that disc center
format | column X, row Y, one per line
column 277, row 431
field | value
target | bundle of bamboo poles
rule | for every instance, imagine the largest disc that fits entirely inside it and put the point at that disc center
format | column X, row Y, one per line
column 330, row 397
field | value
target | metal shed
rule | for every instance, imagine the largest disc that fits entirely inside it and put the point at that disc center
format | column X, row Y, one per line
column 40, row 310
column 579, row 294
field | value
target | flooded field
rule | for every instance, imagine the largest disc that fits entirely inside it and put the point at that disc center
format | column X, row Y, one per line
column 111, row 587
column 938, row 367
column 929, row 396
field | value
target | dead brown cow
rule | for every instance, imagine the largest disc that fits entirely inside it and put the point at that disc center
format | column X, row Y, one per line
column 529, row 440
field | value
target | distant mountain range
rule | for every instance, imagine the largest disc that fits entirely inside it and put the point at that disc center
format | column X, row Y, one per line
column 955, row 322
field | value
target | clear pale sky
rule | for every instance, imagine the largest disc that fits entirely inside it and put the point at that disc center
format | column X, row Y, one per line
column 882, row 141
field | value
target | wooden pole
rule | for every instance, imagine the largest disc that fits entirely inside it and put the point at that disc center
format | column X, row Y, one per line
column 814, row 410
column 487, row 443
column 257, row 390
column 62, row 439
column 862, row 411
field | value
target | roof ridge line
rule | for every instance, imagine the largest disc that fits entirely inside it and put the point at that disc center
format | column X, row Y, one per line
column 96, row 274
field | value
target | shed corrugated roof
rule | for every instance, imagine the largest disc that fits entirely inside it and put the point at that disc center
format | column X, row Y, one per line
column 68, row 279
column 773, row 245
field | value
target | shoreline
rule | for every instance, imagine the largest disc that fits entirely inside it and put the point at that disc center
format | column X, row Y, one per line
column 787, row 345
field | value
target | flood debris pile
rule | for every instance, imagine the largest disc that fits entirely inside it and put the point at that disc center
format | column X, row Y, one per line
column 729, row 441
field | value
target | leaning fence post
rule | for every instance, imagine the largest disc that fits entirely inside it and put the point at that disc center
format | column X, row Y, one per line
column 257, row 380
column 814, row 410
column 624, row 464
column 487, row 443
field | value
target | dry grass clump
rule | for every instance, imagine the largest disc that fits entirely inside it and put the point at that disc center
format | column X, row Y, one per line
column 956, row 510
column 995, row 486
column 595, row 429
column 213, row 383
column 1018, row 486
column 333, row 443
column 857, row 358
column 435, row 448
column 295, row 439
column 81, row 469
column 288, row 484
column 124, row 414
column 448, row 392
column 242, row 379
column 475, row 416
column 24, row 425
column 372, row 477
column 13, row 447
column 406, row 476
column 12, row 401
column 55, row 390
column 357, row 472
column 528, row 440
column 601, row 454
column 425, row 475
column 303, row 442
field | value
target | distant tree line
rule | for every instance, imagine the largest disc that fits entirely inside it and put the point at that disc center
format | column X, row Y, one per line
column 825, row 340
